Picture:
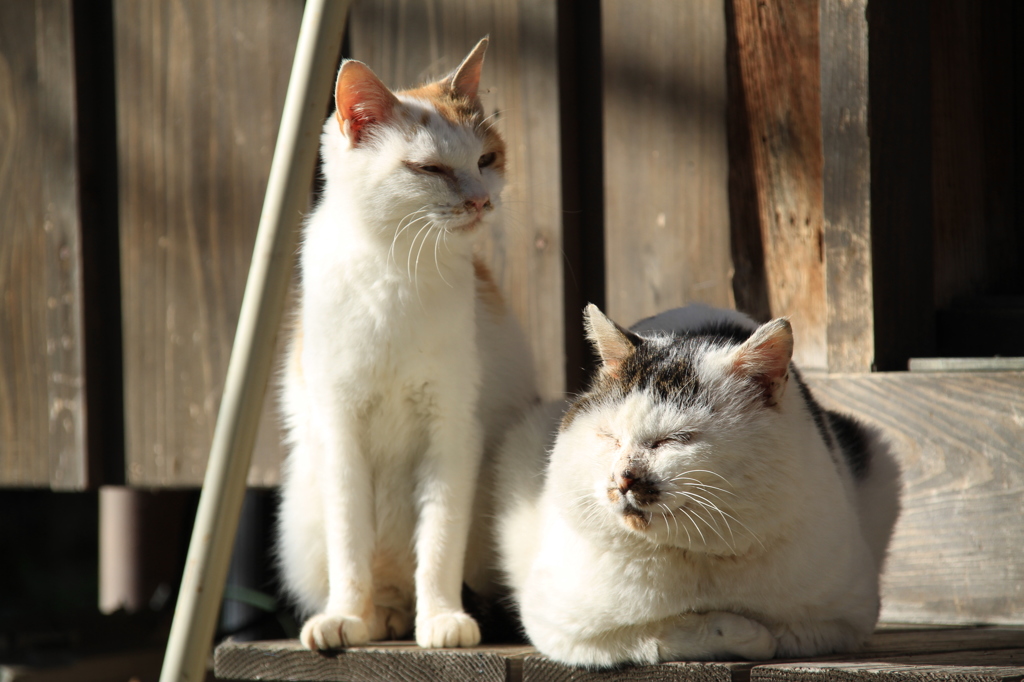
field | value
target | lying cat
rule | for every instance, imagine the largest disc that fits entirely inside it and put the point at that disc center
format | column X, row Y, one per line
column 695, row 503
column 401, row 374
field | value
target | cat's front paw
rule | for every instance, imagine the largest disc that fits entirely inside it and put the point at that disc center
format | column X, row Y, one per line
column 324, row 631
column 741, row 636
column 445, row 630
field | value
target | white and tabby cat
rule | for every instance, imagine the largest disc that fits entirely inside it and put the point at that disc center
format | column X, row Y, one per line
column 400, row 373
column 695, row 503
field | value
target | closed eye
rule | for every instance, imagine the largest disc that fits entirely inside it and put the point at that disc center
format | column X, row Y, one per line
column 486, row 160
column 428, row 168
column 677, row 438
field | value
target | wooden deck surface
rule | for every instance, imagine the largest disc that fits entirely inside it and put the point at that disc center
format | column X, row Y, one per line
column 894, row 653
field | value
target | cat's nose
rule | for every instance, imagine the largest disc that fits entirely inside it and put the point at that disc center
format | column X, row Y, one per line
column 625, row 480
column 478, row 204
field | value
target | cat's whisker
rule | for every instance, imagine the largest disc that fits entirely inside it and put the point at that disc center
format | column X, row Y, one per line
column 412, row 245
column 398, row 232
column 708, row 523
column 437, row 262
column 695, row 526
column 416, row 277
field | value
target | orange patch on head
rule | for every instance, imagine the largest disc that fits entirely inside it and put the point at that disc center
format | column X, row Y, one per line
column 487, row 289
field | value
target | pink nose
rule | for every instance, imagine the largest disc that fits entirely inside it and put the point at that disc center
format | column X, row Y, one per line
column 479, row 204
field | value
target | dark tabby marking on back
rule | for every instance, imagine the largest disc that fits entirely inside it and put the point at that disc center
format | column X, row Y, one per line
column 817, row 413
column 853, row 441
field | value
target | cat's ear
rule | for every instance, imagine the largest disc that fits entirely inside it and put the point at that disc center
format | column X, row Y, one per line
column 465, row 80
column 765, row 358
column 362, row 101
column 613, row 343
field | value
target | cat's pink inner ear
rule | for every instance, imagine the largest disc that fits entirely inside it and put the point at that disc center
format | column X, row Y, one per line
column 765, row 358
column 612, row 343
column 362, row 100
column 465, row 82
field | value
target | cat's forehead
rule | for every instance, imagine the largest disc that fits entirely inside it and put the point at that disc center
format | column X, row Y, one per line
column 453, row 124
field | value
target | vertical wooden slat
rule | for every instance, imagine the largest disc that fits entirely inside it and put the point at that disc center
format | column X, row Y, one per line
column 777, row 60
column 666, row 164
column 42, row 418
column 847, row 185
column 406, row 43
column 200, row 93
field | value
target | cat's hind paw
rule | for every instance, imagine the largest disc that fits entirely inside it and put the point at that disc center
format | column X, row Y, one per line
column 324, row 631
column 741, row 636
column 446, row 630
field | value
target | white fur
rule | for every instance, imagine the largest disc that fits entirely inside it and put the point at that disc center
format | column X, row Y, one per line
column 789, row 565
column 399, row 379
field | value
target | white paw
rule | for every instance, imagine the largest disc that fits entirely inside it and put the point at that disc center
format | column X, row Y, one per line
column 324, row 631
column 447, row 630
column 741, row 636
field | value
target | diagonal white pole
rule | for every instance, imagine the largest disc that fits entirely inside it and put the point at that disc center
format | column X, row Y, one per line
column 206, row 567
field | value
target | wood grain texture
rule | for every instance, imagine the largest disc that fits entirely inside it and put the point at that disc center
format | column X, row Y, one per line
column 778, row 72
column 42, row 408
column 961, row 669
column 407, row 43
column 847, row 185
column 666, row 162
column 200, row 92
column 542, row 669
column 956, row 556
column 389, row 661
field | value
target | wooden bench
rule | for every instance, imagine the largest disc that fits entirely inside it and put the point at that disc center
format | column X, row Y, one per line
column 901, row 653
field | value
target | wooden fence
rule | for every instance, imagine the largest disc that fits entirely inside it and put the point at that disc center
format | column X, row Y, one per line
column 853, row 166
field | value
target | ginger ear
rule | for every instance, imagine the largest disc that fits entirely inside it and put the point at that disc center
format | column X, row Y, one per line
column 465, row 80
column 765, row 358
column 613, row 343
column 362, row 100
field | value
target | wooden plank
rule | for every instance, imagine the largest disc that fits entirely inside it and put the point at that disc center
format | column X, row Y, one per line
column 42, row 412
column 387, row 661
column 666, row 162
column 956, row 553
column 847, row 185
column 778, row 81
column 542, row 669
column 200, row 91
column 960, row 668
column 406, row 43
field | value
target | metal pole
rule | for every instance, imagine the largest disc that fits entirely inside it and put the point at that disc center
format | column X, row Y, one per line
column 202, row 585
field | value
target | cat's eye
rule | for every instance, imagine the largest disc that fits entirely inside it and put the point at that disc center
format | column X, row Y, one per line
column 434, row 170
column 487, row 159
column 677, row 438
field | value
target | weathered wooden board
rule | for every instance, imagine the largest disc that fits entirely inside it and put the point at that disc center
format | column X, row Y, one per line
column 541, row 669
column 847, row 185
column 200, row 92
column 407, row 43
column 42, row 402
column 917, row 653
column 776, row 166
column 666, row 163
column 958, row 550
column 387, row 661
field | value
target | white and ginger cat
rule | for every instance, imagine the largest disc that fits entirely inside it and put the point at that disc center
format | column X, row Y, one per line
column 400, row 374
column 694, row 503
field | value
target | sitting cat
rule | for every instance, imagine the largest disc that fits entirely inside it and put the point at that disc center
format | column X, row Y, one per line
column 694, row 503
column 400, row 374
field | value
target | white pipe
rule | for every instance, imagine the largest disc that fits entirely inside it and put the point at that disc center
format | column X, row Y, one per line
column 202, row 585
